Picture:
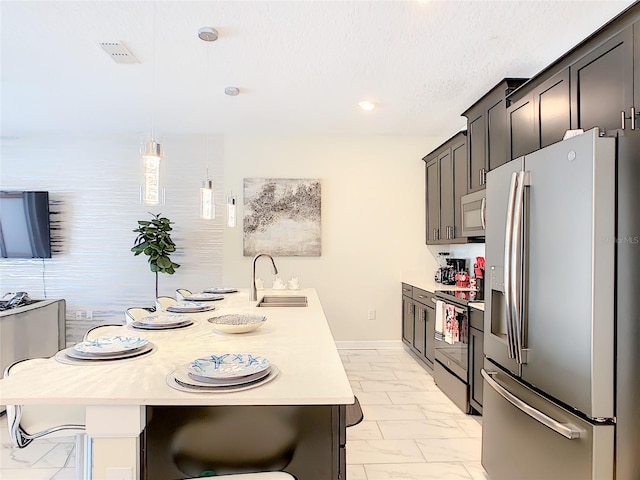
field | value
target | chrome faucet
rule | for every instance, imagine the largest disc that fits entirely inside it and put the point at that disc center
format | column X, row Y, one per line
column 254, row 290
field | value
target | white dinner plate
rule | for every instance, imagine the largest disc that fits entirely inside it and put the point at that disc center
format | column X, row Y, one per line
column 187, row 377
column 203, row 297
column 188, row 386
column 166, row 326
column 78, row 355
column 190, row 307
column 228, row 365
column 163, row 319
column 108, row 345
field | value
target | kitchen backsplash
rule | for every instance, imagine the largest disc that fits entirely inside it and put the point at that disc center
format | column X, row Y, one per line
column 468, row 251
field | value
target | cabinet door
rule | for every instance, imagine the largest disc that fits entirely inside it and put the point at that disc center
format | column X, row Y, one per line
column 430, row 332
column 433, row 202
column 445, row 167
column 476, row 132
column 522, row 132
column 552, row 103
column 497, row 135
column 602, row 85
column 476, row 359
column 407, row 320
column 419, row 328
column 460, row 188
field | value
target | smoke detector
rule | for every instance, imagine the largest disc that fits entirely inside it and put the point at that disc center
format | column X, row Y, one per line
column 118, row 52
column 208, row 34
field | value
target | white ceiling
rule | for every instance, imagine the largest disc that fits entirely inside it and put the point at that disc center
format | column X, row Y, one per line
column 301, row 66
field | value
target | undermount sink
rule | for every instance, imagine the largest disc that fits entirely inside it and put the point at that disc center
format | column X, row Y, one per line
column 283, row 301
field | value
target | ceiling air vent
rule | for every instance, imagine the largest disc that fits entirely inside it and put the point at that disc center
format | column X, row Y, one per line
column 118, row 52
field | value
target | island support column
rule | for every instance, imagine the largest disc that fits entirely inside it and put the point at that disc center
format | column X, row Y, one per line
column 115, row 440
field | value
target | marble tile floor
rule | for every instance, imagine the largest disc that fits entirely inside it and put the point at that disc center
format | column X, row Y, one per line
column 410, row 431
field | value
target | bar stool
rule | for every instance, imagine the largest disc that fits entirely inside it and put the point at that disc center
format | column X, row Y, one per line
column 164, row 302
column 181, row 293
column 29, row 422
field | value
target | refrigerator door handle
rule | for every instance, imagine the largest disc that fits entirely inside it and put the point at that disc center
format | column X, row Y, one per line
column 565, row 429
column 483, row 209
column 508, row 260
column 516, row 265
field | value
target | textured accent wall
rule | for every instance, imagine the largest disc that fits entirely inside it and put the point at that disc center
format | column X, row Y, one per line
column 94, row 192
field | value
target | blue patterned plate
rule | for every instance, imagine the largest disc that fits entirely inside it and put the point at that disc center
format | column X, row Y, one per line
column 203, row 297
column 106, row 345
column 221, row 290
column 228, row 365
column 164, row 319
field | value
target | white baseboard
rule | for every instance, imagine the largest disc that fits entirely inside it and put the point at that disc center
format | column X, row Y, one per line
column 369, row 344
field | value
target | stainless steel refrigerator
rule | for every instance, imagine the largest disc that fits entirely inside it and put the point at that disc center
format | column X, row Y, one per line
column 562, row 312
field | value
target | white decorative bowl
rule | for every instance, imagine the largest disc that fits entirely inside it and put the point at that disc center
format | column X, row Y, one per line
column 237, row 323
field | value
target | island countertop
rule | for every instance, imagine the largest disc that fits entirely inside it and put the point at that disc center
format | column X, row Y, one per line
column 296, row 339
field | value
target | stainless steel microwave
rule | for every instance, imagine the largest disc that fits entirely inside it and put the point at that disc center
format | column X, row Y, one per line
column 473, row 214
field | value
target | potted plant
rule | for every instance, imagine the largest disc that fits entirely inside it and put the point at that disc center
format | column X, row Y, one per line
column 155, row 241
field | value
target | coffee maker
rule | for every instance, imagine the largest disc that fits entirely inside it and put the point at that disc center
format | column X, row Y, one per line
column 446, row 273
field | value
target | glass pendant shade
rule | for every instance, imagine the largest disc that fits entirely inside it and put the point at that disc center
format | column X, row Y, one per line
column 151, row 189
column 207, row 205
column 231, row 211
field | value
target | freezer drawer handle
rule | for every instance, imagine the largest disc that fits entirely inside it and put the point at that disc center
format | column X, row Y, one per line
column 565, row 429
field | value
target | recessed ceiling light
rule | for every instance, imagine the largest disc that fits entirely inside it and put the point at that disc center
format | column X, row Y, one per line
column 232, row 91
column 366, row 105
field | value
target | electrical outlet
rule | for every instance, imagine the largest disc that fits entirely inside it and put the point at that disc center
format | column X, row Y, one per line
column 78, row 314
column 89, row 315
column 371, row 315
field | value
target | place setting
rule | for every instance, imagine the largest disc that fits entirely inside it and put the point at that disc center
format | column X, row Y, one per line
column 190, row 307
column 227, row 372
column 105, row 348
column 162, row 321
column 220, row 290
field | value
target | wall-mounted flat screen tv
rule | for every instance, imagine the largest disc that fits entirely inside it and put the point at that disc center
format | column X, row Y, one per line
column 24, row 225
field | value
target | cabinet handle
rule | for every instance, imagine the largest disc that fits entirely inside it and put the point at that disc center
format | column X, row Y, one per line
column 453, row 232
column 434, row 300
column 480, row 178
column 633, row 118
column 434, row 235
column 622, row 119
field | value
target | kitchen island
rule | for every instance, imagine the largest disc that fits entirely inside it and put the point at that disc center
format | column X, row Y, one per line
column 119, row 395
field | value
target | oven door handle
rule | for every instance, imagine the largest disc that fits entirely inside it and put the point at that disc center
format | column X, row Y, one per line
column 565, row 429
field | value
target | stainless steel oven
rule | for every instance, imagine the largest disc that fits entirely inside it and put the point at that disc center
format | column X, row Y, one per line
column 473, row 215
column 452, row 347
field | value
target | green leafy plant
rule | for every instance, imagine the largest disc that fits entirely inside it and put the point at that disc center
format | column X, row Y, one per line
column 155, row 241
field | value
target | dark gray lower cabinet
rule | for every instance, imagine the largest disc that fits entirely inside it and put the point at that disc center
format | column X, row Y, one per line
column 476, row 358
column 418, row 322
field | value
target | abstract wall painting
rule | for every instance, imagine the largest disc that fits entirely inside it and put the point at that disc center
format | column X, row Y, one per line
column 282, row 217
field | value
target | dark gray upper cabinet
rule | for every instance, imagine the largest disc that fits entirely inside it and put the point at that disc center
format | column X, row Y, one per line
column 487, row 132
column 541, row 117
column 602, row 85
column 446, row 182
column 597, row 84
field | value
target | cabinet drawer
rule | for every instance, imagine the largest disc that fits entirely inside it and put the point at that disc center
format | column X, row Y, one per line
column 424, row 297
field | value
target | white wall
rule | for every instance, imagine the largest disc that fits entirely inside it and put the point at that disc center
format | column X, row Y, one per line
column 373, row 222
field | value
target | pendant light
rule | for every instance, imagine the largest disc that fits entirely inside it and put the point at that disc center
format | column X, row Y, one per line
column 152, row 190
column 207, row 192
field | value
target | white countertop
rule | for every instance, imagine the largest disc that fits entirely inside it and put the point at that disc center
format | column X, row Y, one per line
column 296, row 339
